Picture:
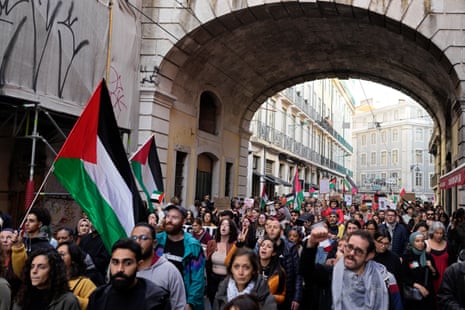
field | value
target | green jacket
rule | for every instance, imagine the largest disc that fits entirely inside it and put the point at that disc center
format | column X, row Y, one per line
column 193, row 263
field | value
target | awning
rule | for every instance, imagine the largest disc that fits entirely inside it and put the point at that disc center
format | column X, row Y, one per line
column 277, row 180
column 453, row 178
column 268, row 178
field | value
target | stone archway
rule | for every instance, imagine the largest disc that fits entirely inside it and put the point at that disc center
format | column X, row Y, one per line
column 246, row 52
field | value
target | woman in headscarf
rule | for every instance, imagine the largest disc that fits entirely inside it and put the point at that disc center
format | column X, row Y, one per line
column 419, row 271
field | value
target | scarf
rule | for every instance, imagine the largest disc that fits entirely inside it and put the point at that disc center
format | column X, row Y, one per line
column 232, row 290
column 376, row 296
column 415, row 251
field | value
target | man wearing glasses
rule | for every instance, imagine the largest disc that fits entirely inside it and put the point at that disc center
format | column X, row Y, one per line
column 357, row 282
column 158, row 269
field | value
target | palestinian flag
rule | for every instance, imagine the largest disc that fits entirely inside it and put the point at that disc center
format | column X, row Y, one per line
column 332, row 183
column 264, row 198
column 92, row 165
column 147, row 169
column 297, row 191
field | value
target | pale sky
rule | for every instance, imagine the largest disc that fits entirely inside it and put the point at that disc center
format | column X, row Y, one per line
column 379, row 92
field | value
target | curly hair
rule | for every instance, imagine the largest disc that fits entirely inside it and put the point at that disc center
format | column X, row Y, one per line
column 42, row 214
column 78, row 266
column 58, row 284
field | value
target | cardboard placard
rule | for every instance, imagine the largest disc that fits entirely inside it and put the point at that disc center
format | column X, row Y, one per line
column 223, row 203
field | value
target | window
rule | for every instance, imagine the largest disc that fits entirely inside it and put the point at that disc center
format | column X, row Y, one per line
column 364, row 140
column 228, row 180
column 395, row 135
column 383, row 136
column 363, row 159
column 373, row 138
column 419, row 134
column 418, row 179
column 418, row 156
column 431, row 159
column 208, row 113
column 373, row 158
column 383, row 160
column 179, row 173
column 394, row 157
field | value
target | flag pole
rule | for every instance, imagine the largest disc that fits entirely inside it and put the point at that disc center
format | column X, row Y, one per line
column 36, row 196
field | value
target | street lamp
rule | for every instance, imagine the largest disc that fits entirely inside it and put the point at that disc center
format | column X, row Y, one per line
column 414, row 169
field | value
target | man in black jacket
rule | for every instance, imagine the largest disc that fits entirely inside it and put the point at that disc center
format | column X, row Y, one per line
column 125, row 290
column 451, row 293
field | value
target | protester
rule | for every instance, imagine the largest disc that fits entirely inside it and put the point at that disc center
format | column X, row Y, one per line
column 186, row 253
column 418, row 271
column 199, row 233
column 451, row 293
column 244, row 278
column 398, row 232
column 243, row 302
column 34, row 238
column 158, row 269
column 271, row 269
column 5, row 291
column 217, row 251
column 386, row 257
column 289, row 259
column 80, row 285
column 92, row 244
column 45, row 285
column 357, row 282
column 64, row 234
column 83, row 228
column 10, row 273
column 438, row 248
column 126, row 290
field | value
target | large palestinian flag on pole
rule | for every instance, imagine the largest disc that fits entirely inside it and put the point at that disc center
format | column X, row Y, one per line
column 297, row 190
column 92, row 165
column 147, row 169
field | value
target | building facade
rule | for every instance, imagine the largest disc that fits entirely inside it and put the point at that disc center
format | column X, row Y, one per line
column 304, row 128
column 391, row 148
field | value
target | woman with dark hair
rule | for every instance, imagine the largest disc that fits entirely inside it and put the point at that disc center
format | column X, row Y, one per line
column 384, row 256
column 79, row 285
column 45, row 285
column 243, row 302
column 271, row 269
column 371, row 227
column 351, row 226
column 244, row 278
column 217, row 251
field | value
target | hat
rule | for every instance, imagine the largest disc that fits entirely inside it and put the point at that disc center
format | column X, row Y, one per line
column 179, row 208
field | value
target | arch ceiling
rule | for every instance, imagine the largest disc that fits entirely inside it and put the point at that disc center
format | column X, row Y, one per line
column 275, row 46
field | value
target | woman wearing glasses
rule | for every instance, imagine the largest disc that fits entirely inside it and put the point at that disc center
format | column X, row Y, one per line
column 384, row 255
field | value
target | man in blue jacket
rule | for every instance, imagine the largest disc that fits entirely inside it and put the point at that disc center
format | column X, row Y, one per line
column 186, row 253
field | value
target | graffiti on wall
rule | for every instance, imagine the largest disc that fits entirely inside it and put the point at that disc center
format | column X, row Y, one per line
column 50, row 27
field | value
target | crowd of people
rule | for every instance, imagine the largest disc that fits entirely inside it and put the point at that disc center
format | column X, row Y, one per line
column 320, row 255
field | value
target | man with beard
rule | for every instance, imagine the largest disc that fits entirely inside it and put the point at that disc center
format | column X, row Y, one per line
column 158, row 269
column 186, row 253
column 125, row 290
column 356, row 281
